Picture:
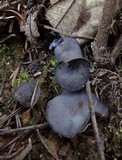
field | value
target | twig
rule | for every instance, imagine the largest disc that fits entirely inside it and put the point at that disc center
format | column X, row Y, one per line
column 14, row 74
column 14, row 109
column 11, row 156
column 25, row 151
column 10, row 143
column 12, row 23
column 5, row 18
column 2, row 120
column 52, row 5
column 34, row 95
column 8, row 4
column 94, row 123
column 39, row 126
column 17, row 13
column 11, row 149
column 66, row 34
column 18, row 121
column 6, row 38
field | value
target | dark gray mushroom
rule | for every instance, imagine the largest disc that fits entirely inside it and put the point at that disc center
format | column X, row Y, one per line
column 68, row 113
column 73, row 75
column 67, row 49
column 24, row 92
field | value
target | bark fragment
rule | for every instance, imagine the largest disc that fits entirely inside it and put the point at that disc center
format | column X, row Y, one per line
column 100, row 45
column 117, row 50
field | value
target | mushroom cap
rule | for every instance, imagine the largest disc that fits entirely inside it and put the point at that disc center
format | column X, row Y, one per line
column 100, row 108
column 24, row 92
column 68, row 113
column 73, row 75
column 68, row 50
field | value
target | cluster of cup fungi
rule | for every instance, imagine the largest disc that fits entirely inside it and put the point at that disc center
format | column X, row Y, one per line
column 68, row 113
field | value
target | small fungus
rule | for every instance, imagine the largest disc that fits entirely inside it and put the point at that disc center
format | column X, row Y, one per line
column 55, row 43
column 67, row 50
column 24, row 92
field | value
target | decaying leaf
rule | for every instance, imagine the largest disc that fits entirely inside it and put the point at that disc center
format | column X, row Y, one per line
column 89, row 27
column 2, row 141
column 26, row 117
column 50, row 145
column 80, row 18
column 30, row 27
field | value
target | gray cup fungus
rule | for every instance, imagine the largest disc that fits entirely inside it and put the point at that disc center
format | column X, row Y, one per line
column 68, row 113
column 24, row 93
column 72, row 76
column 67, row 49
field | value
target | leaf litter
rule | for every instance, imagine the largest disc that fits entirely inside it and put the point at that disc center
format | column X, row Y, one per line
column 27, row 28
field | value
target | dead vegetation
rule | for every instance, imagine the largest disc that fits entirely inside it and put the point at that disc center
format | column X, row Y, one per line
column 27, row 28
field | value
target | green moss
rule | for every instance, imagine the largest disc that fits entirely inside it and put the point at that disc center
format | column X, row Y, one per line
column 93, row 65
column 53, row 62
column 10, row 57
column 22, row 77
column 3, row 48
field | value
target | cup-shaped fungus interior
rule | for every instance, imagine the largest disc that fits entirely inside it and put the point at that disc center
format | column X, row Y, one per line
column 73, row 75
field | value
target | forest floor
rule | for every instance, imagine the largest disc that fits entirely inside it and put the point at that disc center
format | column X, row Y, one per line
column 20, row 62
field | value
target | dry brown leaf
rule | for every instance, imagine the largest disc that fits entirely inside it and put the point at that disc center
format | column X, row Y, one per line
column 30, row 27
column 79, row 17
column 51, row 145
column 64, row 149
column 26, row 117
column 2, row 141
column 91, row 24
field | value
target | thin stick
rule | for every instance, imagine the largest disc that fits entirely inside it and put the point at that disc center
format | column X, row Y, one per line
column 10, row 143
column 66, row 34
column 12, row 155
column 8, row 4
column 52, row 5
column 3, row 120
column 7, row 37
column 25, row 151
column 34, row 95
column 38, row 126
column 94, row 123
column 17, row 13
